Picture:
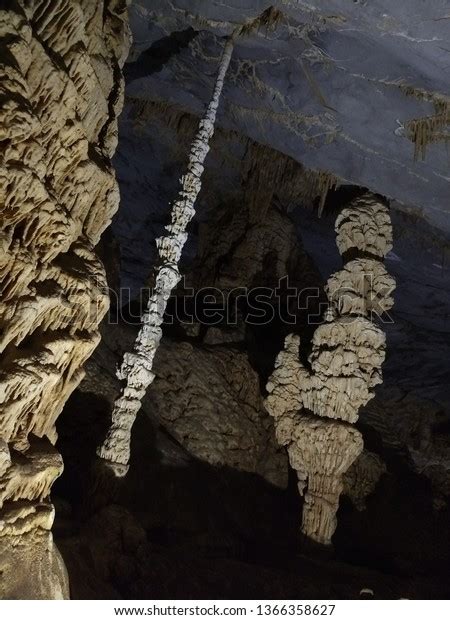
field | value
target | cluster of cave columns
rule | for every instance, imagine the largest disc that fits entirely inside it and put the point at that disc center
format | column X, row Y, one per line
column 60, row 123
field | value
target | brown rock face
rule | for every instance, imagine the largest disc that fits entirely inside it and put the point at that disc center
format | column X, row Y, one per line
column 362, row 477
column 207, row 397
column 61, row 91
column 210, row 401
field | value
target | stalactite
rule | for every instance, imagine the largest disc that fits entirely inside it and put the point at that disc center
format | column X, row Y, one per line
column 323, row 182
column 314, row 408
column 267, row 172
column 264, row 171
column 269, row 19
column 429, row 129
column 136, row 369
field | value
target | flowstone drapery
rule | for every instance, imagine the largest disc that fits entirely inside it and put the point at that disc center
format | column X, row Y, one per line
column 314, row 408
column 61, row 91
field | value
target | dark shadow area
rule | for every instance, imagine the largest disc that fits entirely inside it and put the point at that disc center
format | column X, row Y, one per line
column 338, row 197
column 179, row 528
column 158, row 54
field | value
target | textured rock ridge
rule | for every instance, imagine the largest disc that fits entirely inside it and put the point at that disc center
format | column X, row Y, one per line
column 136, row 368
column 314, row 407
column 218, row 415
column 362, row 477
column 207, row 398
column 61, row 91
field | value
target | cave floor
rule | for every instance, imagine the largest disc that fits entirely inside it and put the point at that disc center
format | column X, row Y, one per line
column 186, row 530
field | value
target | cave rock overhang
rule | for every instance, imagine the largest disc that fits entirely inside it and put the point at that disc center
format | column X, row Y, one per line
column 335, row 85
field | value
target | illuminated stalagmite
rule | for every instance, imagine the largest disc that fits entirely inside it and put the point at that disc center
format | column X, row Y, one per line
column 61, row 91
column 136, row 369
column 314, row 408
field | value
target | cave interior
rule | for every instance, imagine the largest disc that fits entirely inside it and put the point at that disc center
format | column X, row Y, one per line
column 300, row 451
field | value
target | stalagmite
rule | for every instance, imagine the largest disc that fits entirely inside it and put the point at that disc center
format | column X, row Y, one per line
column 61, row 91
column 322, row 450
column 314, row 408
column 364, row 227
column 360, row 288
column 136, row 368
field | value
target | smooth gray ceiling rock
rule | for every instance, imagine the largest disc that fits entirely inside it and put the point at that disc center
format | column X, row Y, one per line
column 332, row 86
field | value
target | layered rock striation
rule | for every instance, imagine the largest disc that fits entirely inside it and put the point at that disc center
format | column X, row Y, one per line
column 61, row 91
column 315, row 407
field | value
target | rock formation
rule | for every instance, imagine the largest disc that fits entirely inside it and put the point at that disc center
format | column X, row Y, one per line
column 61, row 92
column 207, row 398
column 362, row 477
column 136, row 368
column 314, row 407
column 313, row 88
column 414, row 429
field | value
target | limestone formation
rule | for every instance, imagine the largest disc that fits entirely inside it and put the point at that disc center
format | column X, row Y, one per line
column 362, row 288
column 252, row 249
column 346, row 358
column 347, row 74
column 136, row 368
column 30, row 563
column 61, row 91
column 364, row 227
column 362, row 477
column 429, row 129
column 321, row 452
column 314, row 406
column 241, row 250
column 414, row 429
column 29, row 476
column 207, row 398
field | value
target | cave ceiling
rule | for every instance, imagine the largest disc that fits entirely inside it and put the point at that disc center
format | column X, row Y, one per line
column 333, row 84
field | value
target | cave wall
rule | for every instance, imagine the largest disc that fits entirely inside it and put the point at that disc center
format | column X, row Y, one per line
column 61, row 92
